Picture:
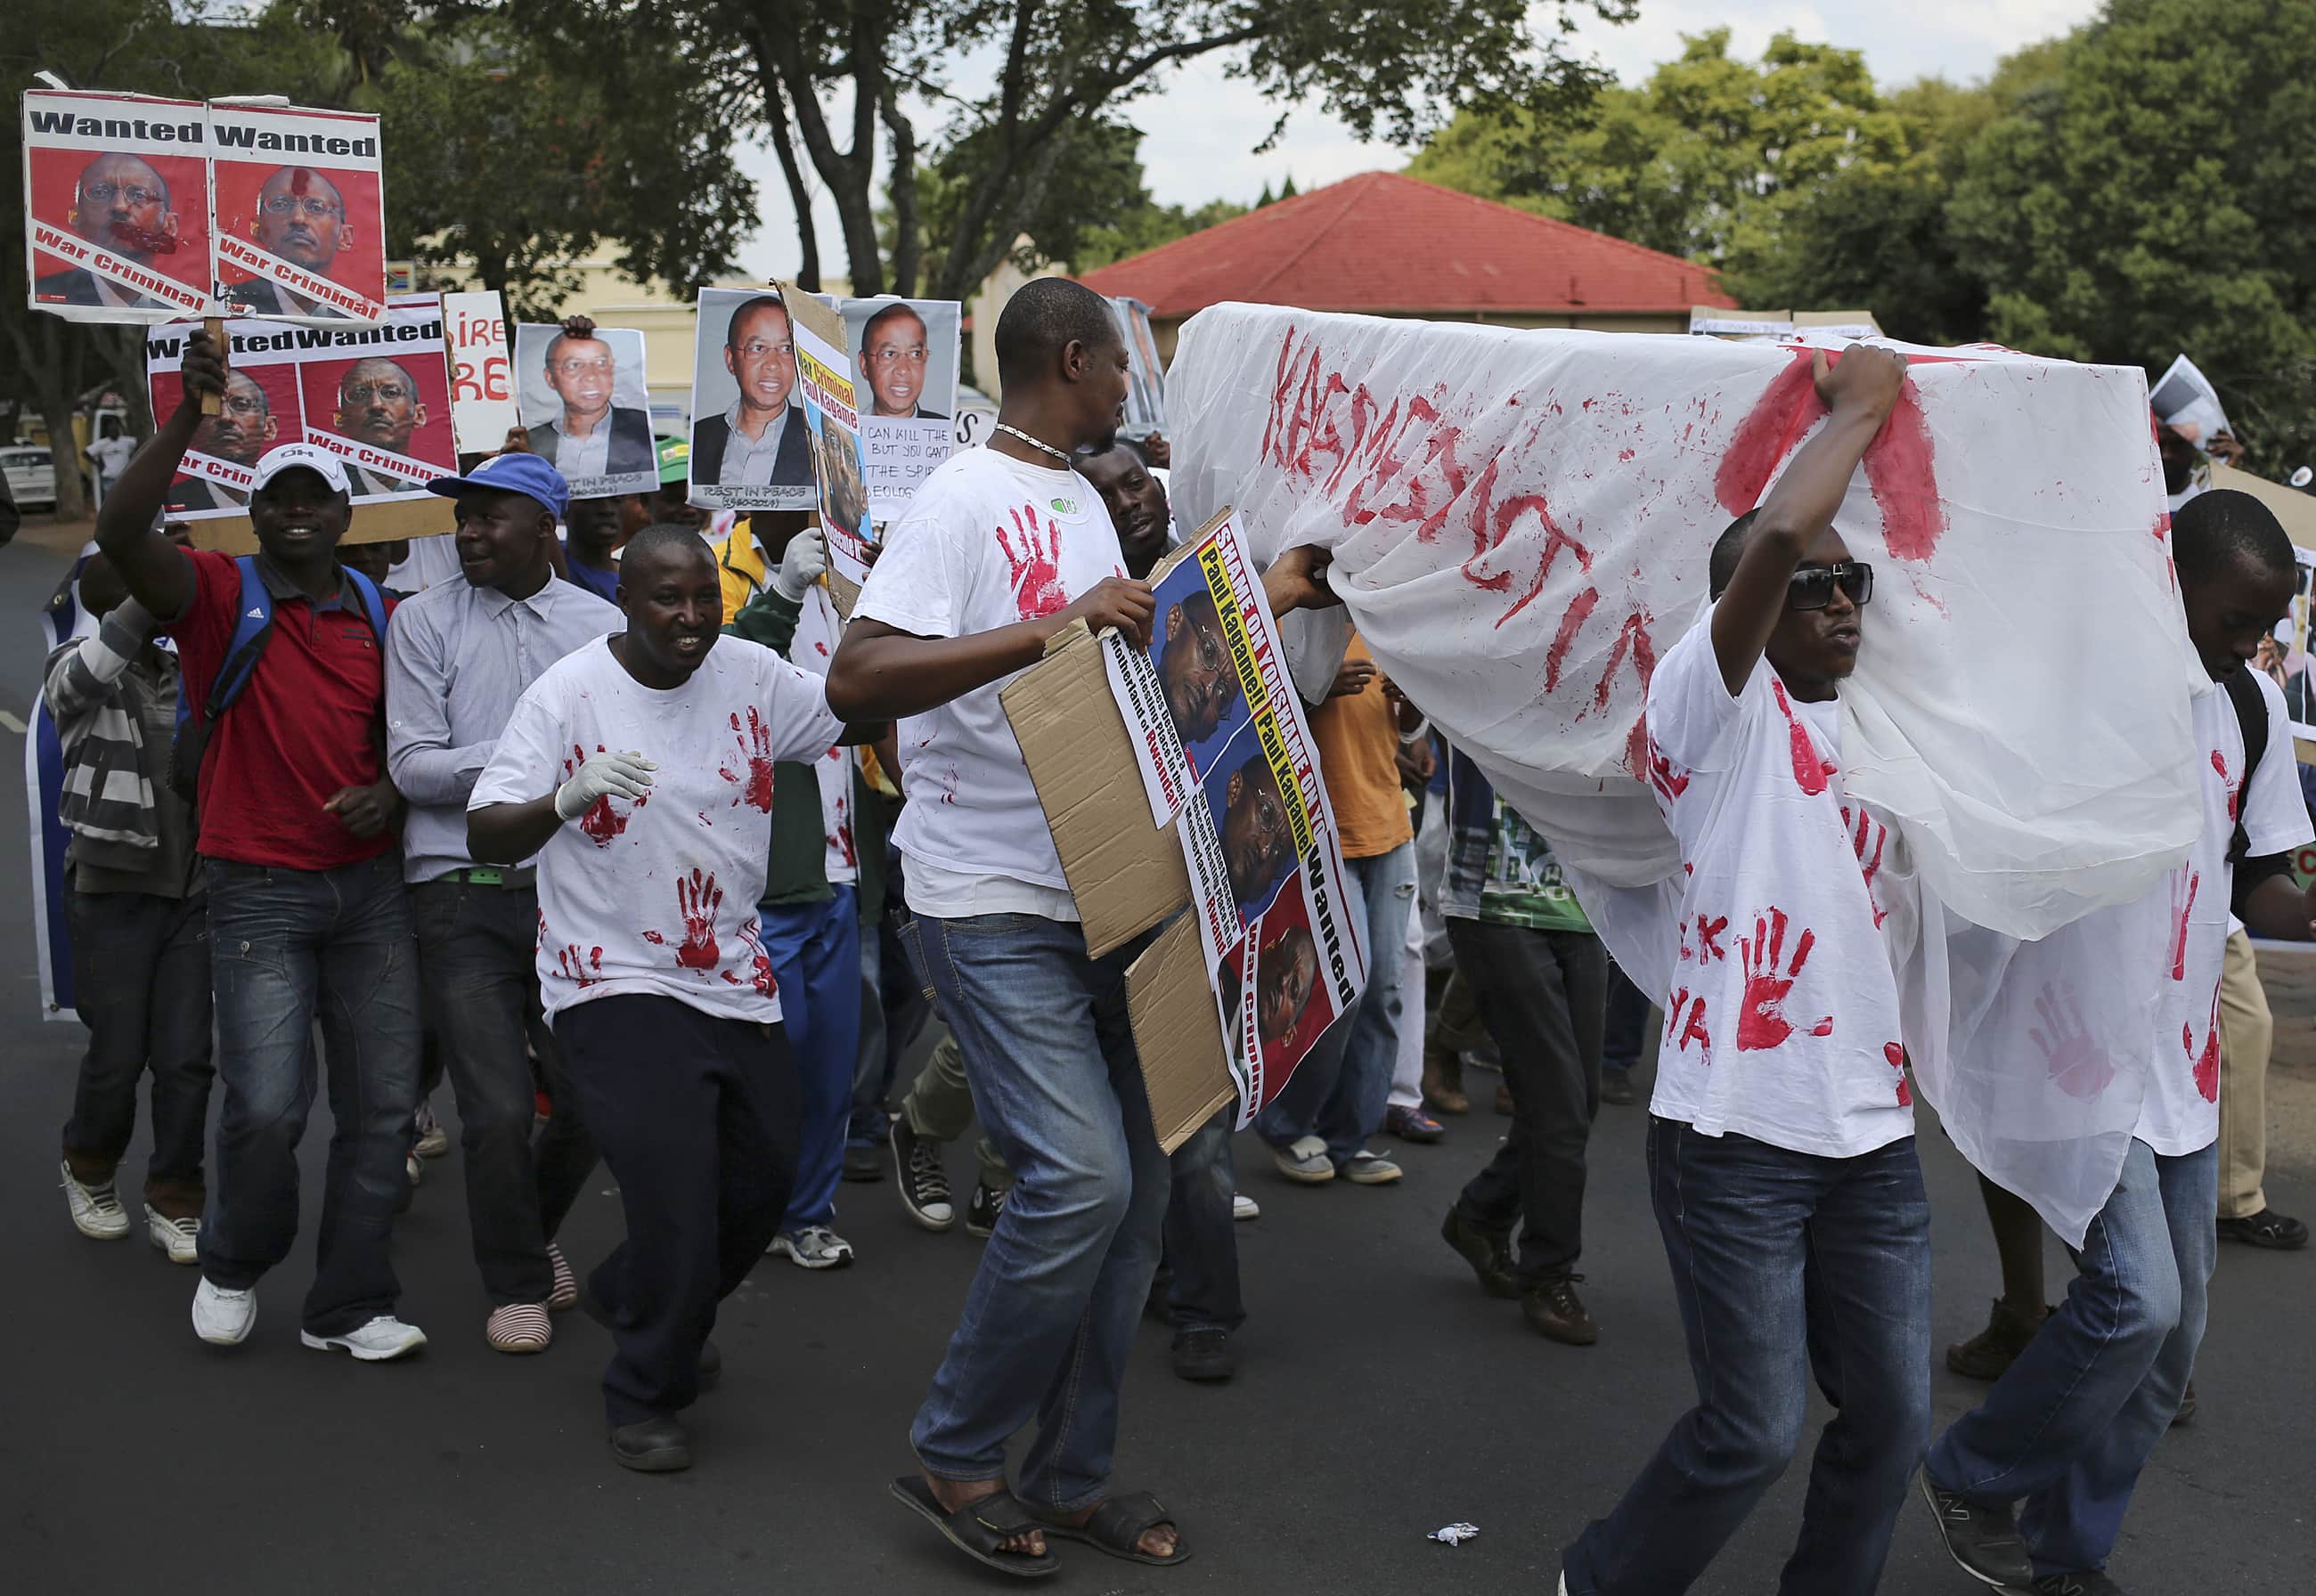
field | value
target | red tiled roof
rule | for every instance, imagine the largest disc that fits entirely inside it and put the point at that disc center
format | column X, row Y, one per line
column 1380, row 243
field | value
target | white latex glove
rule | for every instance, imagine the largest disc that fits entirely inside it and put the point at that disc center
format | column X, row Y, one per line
column 625, row 775
column 802, row 563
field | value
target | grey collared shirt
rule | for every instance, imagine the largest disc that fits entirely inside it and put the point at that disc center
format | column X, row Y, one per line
column 749, row 462
column 457, row 657
column 588, row 455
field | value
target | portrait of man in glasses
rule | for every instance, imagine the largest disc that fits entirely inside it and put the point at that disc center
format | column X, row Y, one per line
column 122, row 205
column 759, row 440
column 591, row 436
column 301, row 218
column 379, row 404
column 895, row 353
column 243, row 429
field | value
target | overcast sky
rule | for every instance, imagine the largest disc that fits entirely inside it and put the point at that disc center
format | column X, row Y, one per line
column 1198, row 131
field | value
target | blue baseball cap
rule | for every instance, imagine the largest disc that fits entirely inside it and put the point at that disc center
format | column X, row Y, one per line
column 524, row 474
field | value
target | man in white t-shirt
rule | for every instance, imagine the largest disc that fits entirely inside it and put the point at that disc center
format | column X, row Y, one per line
column 1001, row 548
column 2071, row 1423
column 1781, row 1141
column 639, row 771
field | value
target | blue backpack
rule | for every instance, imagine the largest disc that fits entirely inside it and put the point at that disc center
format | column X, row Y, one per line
column 253, row 625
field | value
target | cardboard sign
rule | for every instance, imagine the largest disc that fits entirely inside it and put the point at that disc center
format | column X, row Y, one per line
column 1145, row 380
column 482, row 381
column 377, row 398
column 299, row 217
column 1220, row 742
column 117, row 206
column 586, row 409
column 750, row 447
column 840, row 462
column 905, row 352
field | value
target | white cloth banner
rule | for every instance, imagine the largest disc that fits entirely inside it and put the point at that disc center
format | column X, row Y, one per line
column 1520, row 522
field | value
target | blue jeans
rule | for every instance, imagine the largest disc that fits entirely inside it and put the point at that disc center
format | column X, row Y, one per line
column 1202, row 1232
column 1049, row 1319
column 1774, row 1252
column 1340, row 1090
column 288, row 947
column 815, row 954
column 2069, row 1426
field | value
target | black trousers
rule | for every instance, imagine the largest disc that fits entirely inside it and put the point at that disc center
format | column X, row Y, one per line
column 1540, row 995
column 697, row 1117
column 141, row 985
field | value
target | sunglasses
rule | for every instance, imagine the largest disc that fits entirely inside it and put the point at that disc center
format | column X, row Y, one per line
column 1812, row 585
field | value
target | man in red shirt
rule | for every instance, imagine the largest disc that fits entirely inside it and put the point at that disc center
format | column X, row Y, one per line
column 307, row 916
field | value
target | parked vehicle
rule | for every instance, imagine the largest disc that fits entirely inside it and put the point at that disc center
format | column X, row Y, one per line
column 31, row 476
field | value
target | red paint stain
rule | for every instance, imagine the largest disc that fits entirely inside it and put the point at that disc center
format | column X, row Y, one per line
column 697, row 899
column 756, row 750
column 1781, row 414
column 1810, row 772
column 1896, row 1055
column 1902, row 469
column 1572, row 622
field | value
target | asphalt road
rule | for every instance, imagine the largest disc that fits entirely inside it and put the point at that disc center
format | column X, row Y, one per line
column 1381, row 1394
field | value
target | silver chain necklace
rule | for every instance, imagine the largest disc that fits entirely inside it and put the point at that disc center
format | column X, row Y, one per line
column 1033, row 443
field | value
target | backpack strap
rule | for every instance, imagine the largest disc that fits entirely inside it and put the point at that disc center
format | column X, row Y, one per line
column 253, row 626
column 373, row 604
column 2251, row 705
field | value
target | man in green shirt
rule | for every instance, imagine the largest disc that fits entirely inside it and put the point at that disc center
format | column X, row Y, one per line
column 1538, row 974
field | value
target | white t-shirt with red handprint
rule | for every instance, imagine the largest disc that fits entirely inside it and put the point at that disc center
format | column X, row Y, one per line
column 1781, row 1019
column 660, row 895
column 988, row 540
column 2180, row 1113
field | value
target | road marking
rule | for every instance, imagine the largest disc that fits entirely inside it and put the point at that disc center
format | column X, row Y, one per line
column 11, row 722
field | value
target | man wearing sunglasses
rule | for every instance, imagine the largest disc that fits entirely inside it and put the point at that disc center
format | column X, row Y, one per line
column 1781, row 1137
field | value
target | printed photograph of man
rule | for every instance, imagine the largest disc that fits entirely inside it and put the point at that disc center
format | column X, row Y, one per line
column 1194, row 666
column 243, row 429
column 895, row 355
column 590, row 437
column 301, row 217
column 759, row 440
column 122, row 205
column 379, row 404
column 836, row 455
column 1258, row 840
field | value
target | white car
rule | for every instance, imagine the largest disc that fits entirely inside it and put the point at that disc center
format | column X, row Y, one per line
column 32, row 476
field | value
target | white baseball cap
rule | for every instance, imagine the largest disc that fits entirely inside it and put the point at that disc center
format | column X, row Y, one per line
column 302, row 455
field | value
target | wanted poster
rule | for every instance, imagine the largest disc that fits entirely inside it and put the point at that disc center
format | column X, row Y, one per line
column 1220, row 742
column 832, row 421
column 750, row 448
column 905, row 352
column 585, row 410
column 380, row 399
column 117, row 206
column 1145, row 381
column 263, row 407
column 481, row 376
column 299, row 215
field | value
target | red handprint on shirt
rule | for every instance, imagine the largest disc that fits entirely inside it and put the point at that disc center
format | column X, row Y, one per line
column 2207, row 1062
column 601, row 823
column 1669, row 778
column 2185, row 885
column 1036, row 568
column 1761, row 1023
column 697, row 899
column 1685, row 1023
column 1895, row 1052
column 573, row 967
column 2072, row 1057
column 1810, row 773
column 755, row 780
column 1869, row 837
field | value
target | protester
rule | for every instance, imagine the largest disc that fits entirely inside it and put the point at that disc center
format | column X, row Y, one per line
column 666, row 504
column 2071, row 1423
column 2247, row 1037
column 308, row 913
column 459, row 657
column 135, row 901
column 1624, row 1025
column 938, row 1110
column 1136, row 499
column 591, row 538
column 1318, row 1125
column 1781, row 1145
column 962, row 599
column 109, row 454
column 650, row 960
column 590, row 436
column 1538, row 972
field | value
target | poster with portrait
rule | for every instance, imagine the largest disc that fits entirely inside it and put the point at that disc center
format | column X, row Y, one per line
column 1146, row 380
column 117, row 206
column 263, row 407
column 585, row 409
column 299, row 217
column 750, row 447
column 482, row 375
column 1221, row 742
column 2284, row 653
column 840, row 460
column 380, row 399
column 905, row 352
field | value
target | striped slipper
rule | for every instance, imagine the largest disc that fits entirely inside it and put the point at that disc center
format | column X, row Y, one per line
column 520, row 1327
column 566, row 1284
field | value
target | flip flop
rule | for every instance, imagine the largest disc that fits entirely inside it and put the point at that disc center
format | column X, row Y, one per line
column 1117, row 1525
column 980, row 1527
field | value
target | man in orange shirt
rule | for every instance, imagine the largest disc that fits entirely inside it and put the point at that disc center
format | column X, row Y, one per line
column 1319, row 1125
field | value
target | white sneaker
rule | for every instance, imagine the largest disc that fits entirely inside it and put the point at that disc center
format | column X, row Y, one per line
column 816, row 1246
column 179, row 1238
column 382, row 1338
column 1243, row 1207
column 221, row 1318
column 434, row 1141
column 1305, row 1161
column 1367, row 1167
column 96, row 1211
